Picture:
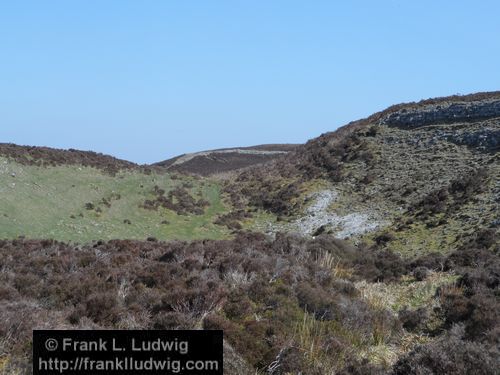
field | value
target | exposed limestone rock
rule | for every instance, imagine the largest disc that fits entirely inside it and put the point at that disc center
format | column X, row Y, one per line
column 410, row 118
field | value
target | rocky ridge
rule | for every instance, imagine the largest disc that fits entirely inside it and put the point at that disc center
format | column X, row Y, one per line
column 411, row 118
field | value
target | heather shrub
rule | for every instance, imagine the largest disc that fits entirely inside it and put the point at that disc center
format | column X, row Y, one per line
column 102, row 307
column 178, row 199
column 237, row 305
column 484, row 316
column 431, row 261
column 413, row 320
column 420, row 273
column 7, row 292
column 450, row 198
column 381, row 265
column 26, row 284
column 44, row 156
column 315, row 300
column 231, row 220
column 289, row 360
column 171, row 320
column 450, row 355
column 384, row 238
column 259, row 290
column 361, row 367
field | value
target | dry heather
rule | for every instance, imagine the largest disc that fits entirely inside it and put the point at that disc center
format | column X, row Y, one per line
column 285, row 305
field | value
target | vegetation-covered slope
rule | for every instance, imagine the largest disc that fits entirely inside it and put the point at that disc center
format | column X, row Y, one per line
column 426, row 186
column 414, row 190
column 206, row 163
column 77, row 203
column 288, row 305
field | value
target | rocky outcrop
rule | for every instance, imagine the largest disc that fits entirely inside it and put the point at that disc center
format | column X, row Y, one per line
column 442, row 113
column 487, row 140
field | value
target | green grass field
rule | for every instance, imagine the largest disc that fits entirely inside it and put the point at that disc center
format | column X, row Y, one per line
column 50, row 203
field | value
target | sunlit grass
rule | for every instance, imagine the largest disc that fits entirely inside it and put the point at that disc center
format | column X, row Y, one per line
column 50, row 203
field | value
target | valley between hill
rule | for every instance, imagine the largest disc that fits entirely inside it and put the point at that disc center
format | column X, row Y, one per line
column 369, row 250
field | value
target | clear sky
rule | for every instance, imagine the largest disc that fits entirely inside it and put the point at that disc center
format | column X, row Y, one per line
column 147, row 80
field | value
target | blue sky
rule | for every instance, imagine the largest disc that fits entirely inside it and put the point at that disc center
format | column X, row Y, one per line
column 147, row 80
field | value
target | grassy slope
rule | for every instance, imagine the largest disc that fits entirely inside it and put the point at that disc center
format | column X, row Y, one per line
column 50, row 203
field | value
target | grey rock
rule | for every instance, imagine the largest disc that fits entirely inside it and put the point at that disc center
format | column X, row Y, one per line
column 443, row 113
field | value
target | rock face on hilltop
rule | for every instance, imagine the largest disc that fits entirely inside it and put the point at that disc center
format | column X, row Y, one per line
column 427, row 171
column 453, row 112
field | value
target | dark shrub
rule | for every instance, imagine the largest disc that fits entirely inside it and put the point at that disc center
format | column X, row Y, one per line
column 315, row 300
column 76, row 314
column 7, row 292
column 27, row 284
column 455, row 305
column 449, row 355
column 420, row 273
column 413, row 320
column 484, row 316
column 384, row 238
column 433, row 203
column 231, row 219
column 484, row 239
column 382, row 265
column 361, row 367
column 102, row 307
column 345, row 287
column 432, row 261
column 171, row 320
column 289, row 360
column 179, row 200
column 259, row 291
column 237, row 305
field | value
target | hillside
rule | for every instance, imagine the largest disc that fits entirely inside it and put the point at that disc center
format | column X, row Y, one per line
column 46, row 156
column 424, row 174
column 369, row 250
column 73, row 202
column 206, row 163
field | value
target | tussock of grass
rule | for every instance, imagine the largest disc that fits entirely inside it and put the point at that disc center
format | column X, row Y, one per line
column 408, row 292
column 329, row 261
column 309, row 336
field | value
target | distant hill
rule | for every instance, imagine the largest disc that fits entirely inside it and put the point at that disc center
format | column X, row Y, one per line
column 203, row 163
column 206, row 163
column 46, row 156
